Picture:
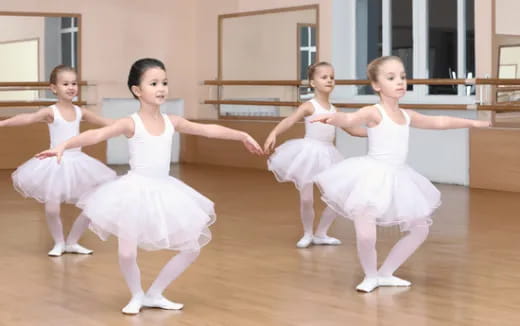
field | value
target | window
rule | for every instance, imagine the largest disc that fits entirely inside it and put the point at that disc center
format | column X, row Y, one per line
column 307, row 48
column 306, row 53
column 434, row 38
column 69, row 40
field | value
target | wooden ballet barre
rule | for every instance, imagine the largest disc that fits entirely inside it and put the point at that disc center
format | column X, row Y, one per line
column 265, row 103
column 351, row 105
column 34, row 84
column 12, row 104
column 255, row 82
column 433, row 81
column 508, row 88
column 499, row 107
column 497, row 81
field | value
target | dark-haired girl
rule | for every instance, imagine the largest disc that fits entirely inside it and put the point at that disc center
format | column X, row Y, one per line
column 147, row 208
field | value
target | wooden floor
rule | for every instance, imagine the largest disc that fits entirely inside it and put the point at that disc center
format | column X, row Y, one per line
column 467, row 273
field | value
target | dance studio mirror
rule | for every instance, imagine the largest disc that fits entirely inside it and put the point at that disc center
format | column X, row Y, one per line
column 276, row 44
column 31, row 45
column 508, row 68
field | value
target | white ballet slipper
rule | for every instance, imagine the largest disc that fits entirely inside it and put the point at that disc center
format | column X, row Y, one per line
column 369, row 284
column 77, row 249
column 305, row 241
column 392, row 281
column 326, row 240
column 161, row 302
column 58, row 250
column 134, row 306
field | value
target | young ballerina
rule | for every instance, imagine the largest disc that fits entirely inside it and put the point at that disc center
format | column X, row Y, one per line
column 380, row 189
column 147, row 208
column 299, row 160
column 51, row 183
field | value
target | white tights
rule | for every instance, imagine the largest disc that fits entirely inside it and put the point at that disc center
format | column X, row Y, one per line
column 307, row 213
column 366, row 246
column 132, row 275
column 52, row 213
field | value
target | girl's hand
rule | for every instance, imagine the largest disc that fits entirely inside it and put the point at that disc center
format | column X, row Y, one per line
column 269, row 144
column 251, row 145
column 481, row 124
column 328, row 118
column 57, row 151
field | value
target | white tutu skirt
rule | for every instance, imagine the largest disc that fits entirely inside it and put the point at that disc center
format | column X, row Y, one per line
column 155, row 213
column 300, row 160
column 364, row 187
column 47, row 181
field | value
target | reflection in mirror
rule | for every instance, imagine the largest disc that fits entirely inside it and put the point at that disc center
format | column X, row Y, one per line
column 31, row 46
column 508, row 68
column 508, row 63
column 274, row 44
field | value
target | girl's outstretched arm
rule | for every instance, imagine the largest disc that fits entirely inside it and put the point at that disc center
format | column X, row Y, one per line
column 215, row 131
column 123, row 126
column 96, row 119
column 302, row 111
column 42, row 115
column 350, row 121
column 443, row 122
column 356, row 131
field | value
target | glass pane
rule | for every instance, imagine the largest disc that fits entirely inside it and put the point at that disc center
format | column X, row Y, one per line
column 304, row 36
column 442, row 35
column 304, row 63
column 313, row 36
column 313, row 57
column 470, row 41
column 402, row 34
column 74, row 22
column 368, row 37
column 65, row 48
column 75, row 50
column 66, row 22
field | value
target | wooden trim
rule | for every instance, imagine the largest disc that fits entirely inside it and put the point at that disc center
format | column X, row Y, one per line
column 38, row 14
column 11, row 104
column 507, row 89
column 269, row 11
column 249, row 118
column 432, row 81
column 255, row 82
column 422, row 106
column 502, row 107
column 238, row 102
column 497, row 81
column 348, row 105
column 32, row 84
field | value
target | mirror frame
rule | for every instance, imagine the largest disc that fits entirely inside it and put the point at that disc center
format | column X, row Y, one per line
column 221, row 19
column 499, row 48
column 55, row 14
